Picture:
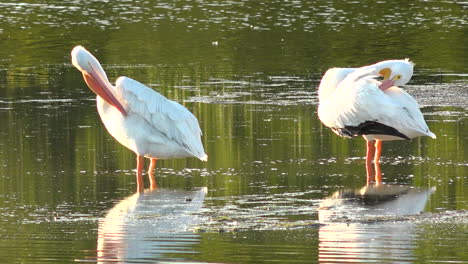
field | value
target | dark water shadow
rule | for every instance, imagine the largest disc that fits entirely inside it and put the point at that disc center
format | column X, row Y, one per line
column 371, row 224
column 149, row 225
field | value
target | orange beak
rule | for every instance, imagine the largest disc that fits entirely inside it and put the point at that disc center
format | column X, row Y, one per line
column 97, row 84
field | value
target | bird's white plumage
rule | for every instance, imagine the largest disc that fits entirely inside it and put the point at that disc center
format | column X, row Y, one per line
column 140, row 118
column 330, row 81
column 332, row 77
column 155, row 126
column 172, row 124
column 350, row 97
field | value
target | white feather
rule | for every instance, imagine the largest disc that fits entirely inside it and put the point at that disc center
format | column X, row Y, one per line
column 154, row 126
column 330, row 81
column 171, row 118
column 357, row 99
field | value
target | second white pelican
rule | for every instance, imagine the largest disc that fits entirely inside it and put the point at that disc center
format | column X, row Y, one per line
column 141, row 119
column 352, row 102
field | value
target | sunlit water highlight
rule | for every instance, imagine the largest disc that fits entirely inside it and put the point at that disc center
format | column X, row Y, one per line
column 249, row 72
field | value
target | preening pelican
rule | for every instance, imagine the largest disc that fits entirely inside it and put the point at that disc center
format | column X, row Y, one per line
column 352, row 102
column 141, row 119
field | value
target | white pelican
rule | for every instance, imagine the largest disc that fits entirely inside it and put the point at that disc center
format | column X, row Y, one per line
column 352, row 103
column 141, row 119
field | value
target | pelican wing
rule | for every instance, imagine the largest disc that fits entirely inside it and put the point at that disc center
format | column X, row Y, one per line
column 330, row 81
column 359, row 107
column 169, row 117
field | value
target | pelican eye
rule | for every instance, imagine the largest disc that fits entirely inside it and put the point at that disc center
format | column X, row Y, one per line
column 397, row 77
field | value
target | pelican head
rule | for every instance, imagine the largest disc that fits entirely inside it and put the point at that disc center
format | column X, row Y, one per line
column 85, row 62
column 95, row 76
column 395, row 72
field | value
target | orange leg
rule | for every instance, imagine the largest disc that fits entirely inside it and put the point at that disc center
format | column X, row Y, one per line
column 369, row 155
column 139, row 175
column 152, row 166
column 378, row 153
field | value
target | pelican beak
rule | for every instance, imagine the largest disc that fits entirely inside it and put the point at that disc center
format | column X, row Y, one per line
column 387, row 82
column 102, row 88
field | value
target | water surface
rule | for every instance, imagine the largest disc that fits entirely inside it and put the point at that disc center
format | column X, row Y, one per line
column 249, row 72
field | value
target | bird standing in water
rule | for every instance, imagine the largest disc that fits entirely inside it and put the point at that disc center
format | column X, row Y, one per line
column 141, row 119
column 352, row 102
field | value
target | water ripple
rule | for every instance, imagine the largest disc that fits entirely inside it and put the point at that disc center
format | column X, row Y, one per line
column 292, row 16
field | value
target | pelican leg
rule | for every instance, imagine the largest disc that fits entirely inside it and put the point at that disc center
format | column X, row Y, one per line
column 152, row 178
column 369, row 155
column 139, row 175
column 378, row 153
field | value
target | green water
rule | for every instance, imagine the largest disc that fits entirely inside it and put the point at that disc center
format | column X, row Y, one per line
column 249, row 71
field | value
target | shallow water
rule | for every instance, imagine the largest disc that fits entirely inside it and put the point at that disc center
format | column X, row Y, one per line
column 249, row 72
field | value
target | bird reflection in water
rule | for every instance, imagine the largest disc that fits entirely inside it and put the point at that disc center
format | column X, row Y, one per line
column 369, row 224
column 148, row 224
